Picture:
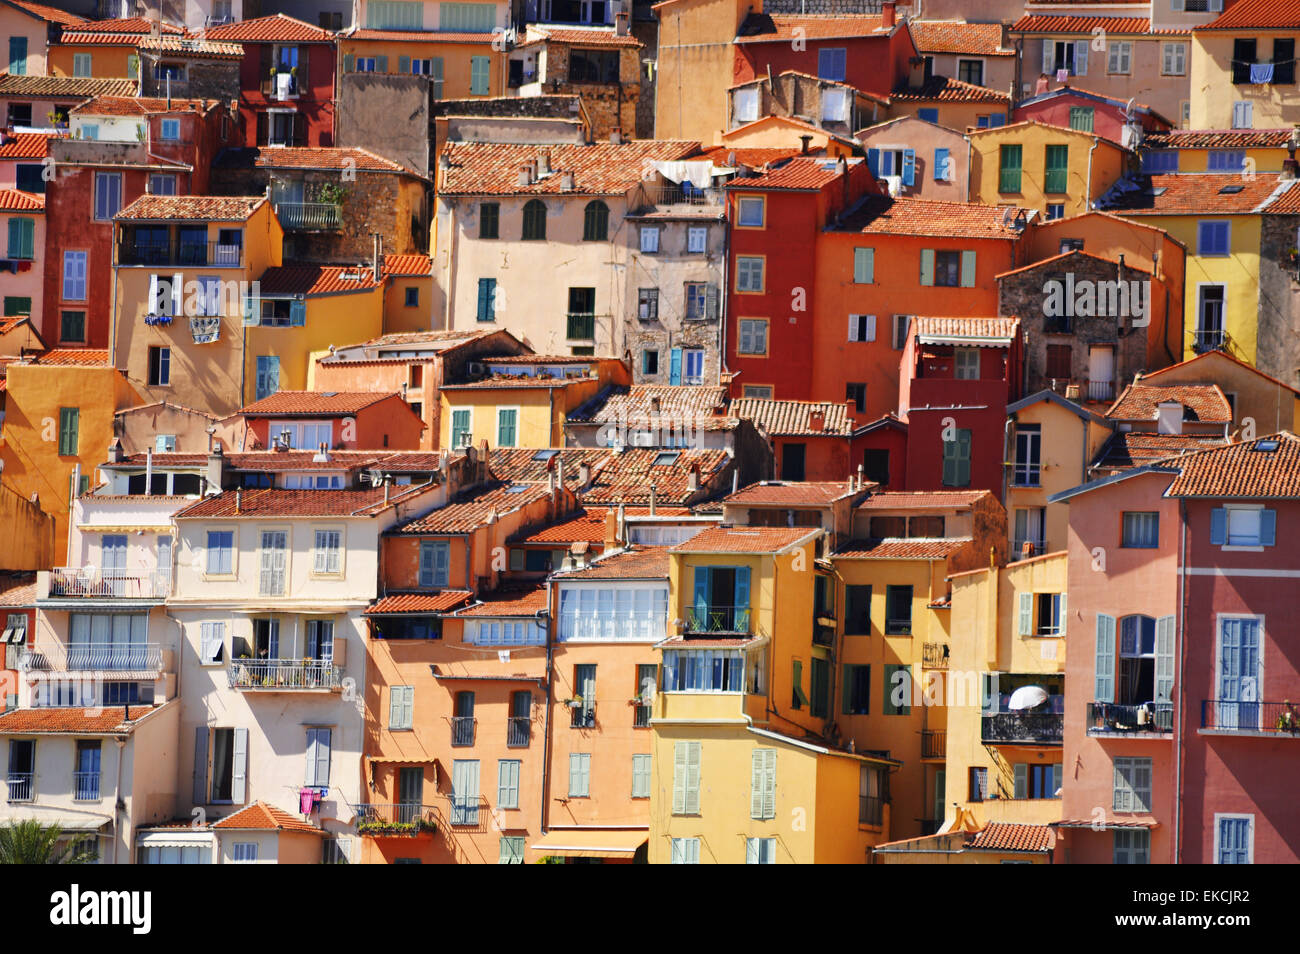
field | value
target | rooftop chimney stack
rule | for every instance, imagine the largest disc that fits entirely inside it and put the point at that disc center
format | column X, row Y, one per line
column 888, row 14
column 525, row 177
column 216, row 470
column 567, row 182
column 805, row 141
column 620, row 23
column 584, row 474
column 616, row 137
column 376, row 256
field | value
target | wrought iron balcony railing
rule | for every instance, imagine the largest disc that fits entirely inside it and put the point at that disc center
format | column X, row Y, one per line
column 91, row 657
column 179, row 254
column 1040, row 727
column 934, row 744
column 284, row 674
column 462, row 730
column 309, row 216
column 519, row 732
column 1281, row 719
column 1114, row 718
column 1101, row 390
column 583, row 716
column 86, row 785
column 400, row 819
column 717, row 619
column 20, row 786
column 934, row 655
column 110, row 583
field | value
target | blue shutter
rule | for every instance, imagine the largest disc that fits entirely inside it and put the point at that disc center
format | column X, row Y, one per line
column 873, row 162
column 1218, row 526
column 297, row 313
column 1104, row 671
column 909, row 167
column 941, row 165
column 996, row 120
column 701, row 593
column 1267, row 527
column 742, row 589
column 15, row 238
column 675, row 367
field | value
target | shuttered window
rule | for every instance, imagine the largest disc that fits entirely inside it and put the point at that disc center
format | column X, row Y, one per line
column 401, row 707
column 762, row 799
column 318, row 757
column 686, row 778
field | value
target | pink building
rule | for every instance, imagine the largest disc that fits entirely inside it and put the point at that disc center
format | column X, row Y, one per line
column 22, row 232
column 1075, row 108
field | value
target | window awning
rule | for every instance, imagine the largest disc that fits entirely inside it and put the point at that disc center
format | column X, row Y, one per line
column 67, row 821
column 592, row 842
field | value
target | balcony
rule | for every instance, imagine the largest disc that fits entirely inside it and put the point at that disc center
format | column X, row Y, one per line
column 94, row 657
column 309, row 216
column 86, row 786
column 581, row 326
column 282, row 86
column 934, row 745
column 1267, row 719
column 1119, row 719
column 519, row 732
column 717, row 619
column 1035, row 728
column 1018, row 546
column 1204, row 340
column 582, row 715
column 92, row 582
column 399, row 820
column 641, row 716
column 1101, row 390
column 682, row 198
column 177, row 254
column 20, row 786
column 934, row 656
column 462, row 730
column 284, row 675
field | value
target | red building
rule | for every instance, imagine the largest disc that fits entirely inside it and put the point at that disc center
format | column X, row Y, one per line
column 96, row 178
column 342, row 420
column 775, row 219
column 870, row 53
column 1109, row 116
column 957, row 377
column 286, row 81
column 17, row 629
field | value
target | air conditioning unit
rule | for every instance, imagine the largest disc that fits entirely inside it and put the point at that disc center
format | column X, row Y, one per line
column 476, row 367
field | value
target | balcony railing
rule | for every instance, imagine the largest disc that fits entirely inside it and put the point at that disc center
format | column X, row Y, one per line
column 671, row 194
column 90, row 657
column 1281, row 719
column 934, row 655
column 179, row 254
column 462, row 730
column 1025, row 474
column 94, row 581
column 1041, row 727
column 402, row 819
column 86, row 785
column 1018, row 546
column 581, row 326
column 1101, row 390
column 641, row 716
column 519, row 732
column 583, row 716
column 284, row 674
column 20, row 786
column 1208, row 340
column 309, row 216
column 934, row 745
column 1114, row 718
column 717, row 619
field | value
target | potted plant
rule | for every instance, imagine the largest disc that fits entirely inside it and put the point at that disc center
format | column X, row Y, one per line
column 574, row 703
column 1288, row 720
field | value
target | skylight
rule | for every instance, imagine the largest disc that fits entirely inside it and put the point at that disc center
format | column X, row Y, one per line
column 1231, row 189
column 1271, row 444
column 545, row 454
column 666, row 459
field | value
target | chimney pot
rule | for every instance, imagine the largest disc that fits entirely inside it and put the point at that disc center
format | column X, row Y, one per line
column 567, row 182
column 616, row 137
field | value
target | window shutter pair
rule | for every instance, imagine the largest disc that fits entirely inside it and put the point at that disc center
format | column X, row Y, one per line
column 762, row 802
column 22, row 238
column 686, row 778
column 942, row 173
column 403, row 64
column 401, row 705
column 69, row 425
column 862, row 327
column 318, row 757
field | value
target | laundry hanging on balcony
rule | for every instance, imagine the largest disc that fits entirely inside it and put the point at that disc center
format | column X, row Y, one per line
column 1261, row 73
column 698, row 174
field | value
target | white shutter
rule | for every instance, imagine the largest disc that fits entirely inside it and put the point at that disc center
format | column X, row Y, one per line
column 751, row 851
column 853, row 327
column 693, row 780
column 1164, row 685
column 201, row 765
column 1026, row 614
column 178, row 294
column 153, row 295
column 769, row 784
column 1080, row 57
column 1049, row 56
column 757, row 781
column 680, row 763
column 870, row 330
column 1060, row 615
column 239, row 782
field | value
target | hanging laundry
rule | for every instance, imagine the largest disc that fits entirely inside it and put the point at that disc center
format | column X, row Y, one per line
column 1261, row 73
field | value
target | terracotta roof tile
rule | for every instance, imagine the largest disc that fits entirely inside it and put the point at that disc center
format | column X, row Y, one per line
column 473, row 509
column 598, row 36
column 902, row 548
column 582, row 526
column 73, row 720
column 1005, row 836
column 725, row 539
column 325, row 157
column 278, row 502
column 1126, row 449
column 196, row 46
column 633, row 563
column 17, row 588
column 328, row 403
column 312, row 280
column 957, row 36
column 1265, row 467
column 141, row 106
column 193, row 207
column 1116, row 26
column 533, row 464
column 798, row 174
column 26, row 146
column 1257, row 15
column 754, row 158
column 73, row 357
column 881, row 215
column 129, row 25
column 779, row 28
column 440, row 602
column 1217, row 139
column 945, row 89
column 946, row 330
column 278, row 28
column 52, row 14
column 627, row 477
column 99, row 38
column 407, row 266
column 479, row 168
column 1208, row 358
column 923, row 500
column 12, row 200
column 509, row 601
column 794, row 418
column 260, row 816
column 1138, row 402
column 1199, row 193
column 671, row 404
column 64, row 87
column 779, row 493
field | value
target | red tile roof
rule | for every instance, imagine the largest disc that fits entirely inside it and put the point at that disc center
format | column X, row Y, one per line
column 1127, row 449
column 1217, row 139
column 278, row 28
column 325, row 157
column 197, row 47
column 1265, row 467
column 17, row 588
column 509, row 601
column 209, row 208
column 98, row 38
column 481, row 168
column 1203, row 193
column 1138, row 402
column 1257, row 15
column 64, row 87
column 520, row 463
column 956, row 36
column 1208, row 358
column 312, row 280
column 440, row 602
column 78, row 719
column 628, row 477
column 799, row 174
column 582, row 526
column 753, row 158
column 278, row 502
column 633, row 563
column 73, row 357
column 673, row 405
column 313, row 403
column 881, row 215
column 142, row 106
column 902, row 548
column 52, row 14
column 260, row 816
column 923, row 500
column 725, row 539
column 475, row 508
column 778, row 28
column 945, row 330
column 598, row 36
column 26, row 146
column 407, row 266
column 1117, row 26
column 1005, row 836
column 791, row 493
column 794, row 418
column 944, row 89
column 12, row 200
column 129, row 25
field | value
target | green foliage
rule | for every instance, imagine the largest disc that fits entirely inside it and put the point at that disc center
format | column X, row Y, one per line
column 31, row 843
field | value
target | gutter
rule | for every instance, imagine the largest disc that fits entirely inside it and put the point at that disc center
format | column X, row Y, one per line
column 1179, row 746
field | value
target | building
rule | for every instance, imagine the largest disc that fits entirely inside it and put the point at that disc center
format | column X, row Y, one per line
column 950, row 102
column 1242, row 63
column 825, row 441
column 975, row 53
column 22, row 161
column 43, row 102
column 1126, row 122
column 1257, row 400
column 825, row 104
column 919, row 159
column 30, row 29
column 408, row 293
column 106, row 49
column 162, row 426
column 602, row 66
column 1211, row 150
column 998, row 843
column 308, row 420
column 22, row 218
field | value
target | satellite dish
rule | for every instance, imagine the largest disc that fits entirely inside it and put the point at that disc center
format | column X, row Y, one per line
column 375, row 477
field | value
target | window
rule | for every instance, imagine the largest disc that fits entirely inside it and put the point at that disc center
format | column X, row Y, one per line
column 462, row 434
column 1028, row 450
column 1120, row 58
column 966, row 363
column 948, row 268
column 489, row 220
column 1283, row 61
column 862, row 327
column 401, row 706
column 169, row 130
column 274, row 557
column 856, row 392
column 1141, row 529
column 979, row 784
column 650, row 362
column 160, row 184
column 86, row 782
column 1243, row 527
column 108, row 195
column 701, row 300
column 641, row 765
column 434, row 563
column 268, row 375
column 1049, row 618
column 971, row 71
column 302, row 435
column 760, row 851
column 18, row 56
column 1132, row 846
column 857, row 610
column 697, row 238
column 857, row 690
column 864, row 266
column 647, row 304
column 534, row 221
column 694, row 366
column 686, row 780
column 1036, row 780
column 69, row 423
column 1209, row 329
column 835, row 106
column 318, row 757
column 74, row 276
column 902, row 324
column 1173, row 59
column 595, row 223
column 579, row 775
column 325, row 555
column 480, row 72
column 753, row 336
column 1225, row 160
column 487, row 303
column 220, row 552
column 1009, row 168
column 583, row 704
column 1214, row 238
column 819, row 687
column 746, row 105
column 750, row 211
column 898, row 684
column 763, row 392
column 244, row 852
column 212, row 642
column 507, row 426
column 1132, row 790
column 749, row 274
column 686, row 851
column 898, row 611
column 228, row 768
column 17, row 305
column 22, row 244
column 508, row 783
column 831, row 63
column 593, row 66
column 1243, row 114
column 1243, row 58
column 1159, row 161
column 793, row 456
column 956, row 460
column 928, row 115
column 1081, row 118
column 160, row 367
column 872, row 795
column 649, row 239
column 1234, row 839
column 581, row 323
column 512, row 850
column 464, row 792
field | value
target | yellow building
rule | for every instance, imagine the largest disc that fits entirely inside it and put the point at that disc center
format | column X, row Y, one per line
column 1034, row 165
column 1215, row 150
column 1243, row 69
column 1007, row 650
column 1258, row 400
column 103, row 48
column 745, row 768
column 695, row 66
column 522, row 401
column 301, row 312
column 408, row 293
column 182, row 297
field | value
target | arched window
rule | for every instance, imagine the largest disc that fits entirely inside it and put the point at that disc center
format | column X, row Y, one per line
column 535, row 220
column 595, row 224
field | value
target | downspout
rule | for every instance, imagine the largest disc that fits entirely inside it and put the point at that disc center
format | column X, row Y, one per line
column 1182, row 689
column 1087, row 195
column 724, row 299
column 546, row 739
column 969, row 152
column 117, row 794
column 1008, row 452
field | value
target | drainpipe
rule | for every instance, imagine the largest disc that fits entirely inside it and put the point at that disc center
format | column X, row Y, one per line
column 1087, row 196
column 1181, row 710
column 546, row 739
column 724, row 299
column 117, row 793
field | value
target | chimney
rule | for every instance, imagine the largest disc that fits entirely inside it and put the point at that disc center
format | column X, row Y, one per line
column 616, row 137
column 559, row 470
column 216, row 470
column 584, row 474
column 693, row 480
column 805, row 140
column 620, row 23
column 148, row 471
column 817, row 420
column 888, row 14
column 652, row 499
column 115, row 454
column 862, row 478
column 239, row 500
column 567, row 182
column 525, row 177
column 387, row 485
column 543, row 165
column 654, row 405
column 376, row 256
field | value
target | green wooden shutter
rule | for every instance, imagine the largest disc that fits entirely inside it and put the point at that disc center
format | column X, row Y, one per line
column 480, row 75
column 15, row 238
column 381, row 64
column 1104, row 671
column 927, row 266
column 1056, row 179
column 435, row 75
column 1022, row 780
column 69, row 423
column 349, row 63
column 1009, row 168
column 403, row 64
column 968, row 269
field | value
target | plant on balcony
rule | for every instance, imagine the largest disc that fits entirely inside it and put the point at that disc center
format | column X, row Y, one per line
column 1289, row 719
column 331, row 194
column 574, row 703
column 378, row 826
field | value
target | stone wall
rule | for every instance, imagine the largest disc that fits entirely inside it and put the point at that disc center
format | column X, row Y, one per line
column 1277, row 345
column 387, row 114
column 210, row 79
column 609, row 106
column 647, row 33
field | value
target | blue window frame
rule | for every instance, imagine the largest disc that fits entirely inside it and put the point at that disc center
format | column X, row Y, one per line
column 221, row 550
column 1214, row 238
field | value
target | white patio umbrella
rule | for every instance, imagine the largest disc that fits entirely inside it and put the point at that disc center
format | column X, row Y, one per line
column 1026, row 697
